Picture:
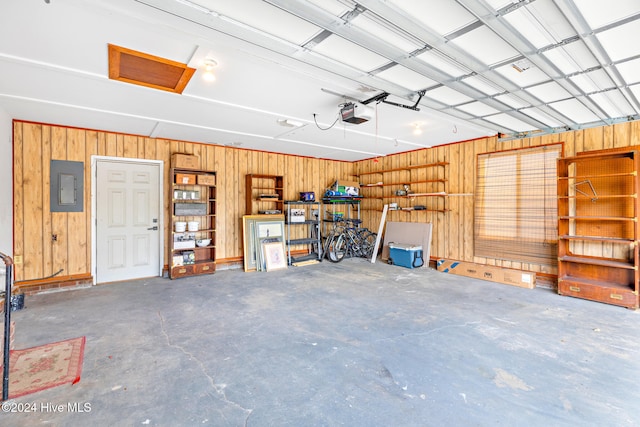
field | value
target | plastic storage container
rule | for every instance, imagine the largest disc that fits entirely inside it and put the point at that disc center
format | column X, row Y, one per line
column 409, row 256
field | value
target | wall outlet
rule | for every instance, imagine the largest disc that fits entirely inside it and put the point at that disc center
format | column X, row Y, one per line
column 17, row 259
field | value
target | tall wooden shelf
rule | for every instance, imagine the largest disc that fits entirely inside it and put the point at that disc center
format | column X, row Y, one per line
column 384, row 186
column 598, row 227
column 193, row 189
column 264, row 194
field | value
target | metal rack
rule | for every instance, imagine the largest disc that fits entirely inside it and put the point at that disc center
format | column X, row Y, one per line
column 311, row 238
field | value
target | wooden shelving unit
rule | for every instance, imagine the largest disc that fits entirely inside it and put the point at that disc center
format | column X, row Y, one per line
column 264, row 194
column 430, row 189
column 192, row 202
column 598, row 227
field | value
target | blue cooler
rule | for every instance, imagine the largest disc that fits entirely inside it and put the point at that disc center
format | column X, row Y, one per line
column 409, row 256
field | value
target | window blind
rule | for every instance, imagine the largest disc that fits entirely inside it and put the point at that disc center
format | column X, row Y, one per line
column 516, row 205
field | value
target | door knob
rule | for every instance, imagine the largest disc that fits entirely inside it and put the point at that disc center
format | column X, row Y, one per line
column 153, row 228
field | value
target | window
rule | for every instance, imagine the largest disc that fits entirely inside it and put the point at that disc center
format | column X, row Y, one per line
column 516, row 205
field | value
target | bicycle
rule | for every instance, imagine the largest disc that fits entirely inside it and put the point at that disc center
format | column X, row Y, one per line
column 347, row 239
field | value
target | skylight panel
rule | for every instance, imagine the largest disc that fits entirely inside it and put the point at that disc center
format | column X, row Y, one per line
column 448, row 96
column 350, row 53
column 267, row 18
column 383, row 32
column 442, row 63
column 599, row 13
column 621, row 42
column 574, row 110
column 405, row 77
column 443, row 18
column 485, row 45
column 549, row 92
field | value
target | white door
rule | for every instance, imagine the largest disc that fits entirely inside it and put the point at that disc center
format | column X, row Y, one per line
column 127, row 220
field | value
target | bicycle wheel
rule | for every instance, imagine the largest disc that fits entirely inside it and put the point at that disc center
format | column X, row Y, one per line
column 368, row 240
column 337, row 248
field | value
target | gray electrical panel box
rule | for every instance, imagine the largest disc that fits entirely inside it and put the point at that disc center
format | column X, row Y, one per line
column 67, row 186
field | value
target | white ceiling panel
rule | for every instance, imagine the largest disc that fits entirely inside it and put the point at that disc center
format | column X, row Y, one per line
column 481, row 84
column 549, row 92
column 618, row 41
column 630, row 71
column 342, row 50
column 335, row 7
column 592, row 82
column 477, row 109
column 542, row 117
column 383, row 32
column 512, row 101
column 484, row 45
column 599, row 13
column 444, row 17
column 613, row 103
column 526, row 24
column 442, row 63
column 575, row 110
column 264, row 74
column 509, row 122
column 498, row 4
column 405, row 77
column 549, row 19
column 448, row 96
column 265, row 17
column 525, row 78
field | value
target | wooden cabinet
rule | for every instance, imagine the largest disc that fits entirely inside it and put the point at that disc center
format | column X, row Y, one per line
column 264, row 194
column 598, row 227
column 424, row 187
column 192, row 237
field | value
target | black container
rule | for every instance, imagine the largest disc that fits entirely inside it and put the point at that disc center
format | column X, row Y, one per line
column 17, row 302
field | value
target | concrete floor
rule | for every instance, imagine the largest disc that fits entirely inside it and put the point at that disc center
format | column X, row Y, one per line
column 350, row 344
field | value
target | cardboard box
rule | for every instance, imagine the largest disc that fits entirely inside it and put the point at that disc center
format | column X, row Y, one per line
column 297, row 215
column 185, row 178
column 507, row 276
column 349, row 188
column 207, row 180
column 185, row 161
column 193, row 209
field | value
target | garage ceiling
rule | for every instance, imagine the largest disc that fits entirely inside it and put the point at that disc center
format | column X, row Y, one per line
column 284, row 68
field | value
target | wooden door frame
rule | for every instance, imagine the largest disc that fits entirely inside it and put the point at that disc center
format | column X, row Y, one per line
column 94, row 194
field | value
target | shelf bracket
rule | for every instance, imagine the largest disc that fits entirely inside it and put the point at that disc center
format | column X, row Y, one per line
column 593, row 190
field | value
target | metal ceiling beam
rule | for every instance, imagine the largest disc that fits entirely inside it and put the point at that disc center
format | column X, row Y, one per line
column 509, row 34
column 575, row 18
column 323, row 19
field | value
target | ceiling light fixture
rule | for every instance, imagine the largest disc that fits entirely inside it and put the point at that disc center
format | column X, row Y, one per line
column 290, row 123
column 209, row 64
column 417, row 130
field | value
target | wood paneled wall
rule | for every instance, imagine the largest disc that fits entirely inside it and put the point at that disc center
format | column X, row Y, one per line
column 36, row 144
column 453, row 230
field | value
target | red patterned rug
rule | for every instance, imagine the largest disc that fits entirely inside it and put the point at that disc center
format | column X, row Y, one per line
column 50, row 365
